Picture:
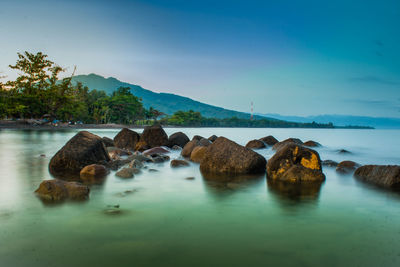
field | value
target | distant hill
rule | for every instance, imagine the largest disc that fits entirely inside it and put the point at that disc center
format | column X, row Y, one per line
column 167, row 103
column 343, row 120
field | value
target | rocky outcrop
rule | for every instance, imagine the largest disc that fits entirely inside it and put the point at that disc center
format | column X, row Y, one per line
column 295, row 163
column 295, row 141
column 311, row 143
column 347, row 166
column 179, row 163
column 81, row 150
column 198, row 154
column 107, row 141
column 387, row 176
column 255, row 144
column 93, row 173
column 154, row 136
column 178, row 139
column 224, row 156
column 58, row 190
column 126, row 139
column 269, row 140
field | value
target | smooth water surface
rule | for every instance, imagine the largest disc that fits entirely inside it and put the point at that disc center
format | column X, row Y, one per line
column 171, row 221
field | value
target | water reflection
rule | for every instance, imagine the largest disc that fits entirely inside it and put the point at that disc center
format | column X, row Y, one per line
column 290, row 194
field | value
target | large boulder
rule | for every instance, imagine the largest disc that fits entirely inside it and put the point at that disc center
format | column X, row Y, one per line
column 197, row 137
column 224, row 156
column 347, row 166
column 154, row 136
column 212, row 138
column 255, row 144
column 188, row 148
column 178, row 139
column 382, row 175
column 108, row 141
column 311, row 143
column 93, row 173
column 81, row 150
column 296, row 141
column 269, row 140
column 295, row 163
column 198, row 154
column 175, row 163
column 58, row 190
column 126, row 139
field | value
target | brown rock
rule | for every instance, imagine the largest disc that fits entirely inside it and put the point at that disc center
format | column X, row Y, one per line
column 179, row 163
column 197, row 137
column 187, row 150
column 142, row 146
column 255, row 144
column 107, row 141
column 269, row 140
column 93, row 172
column 125, row 173
column 154, row 136
column 81, row 150
column 347, row 166
column 155, row 150
column 295, row 141
column 224, row 156
column 58, row 190
column 387, row 176
column 212, row 138
column 198, row 154
column 178, row 139
column 295, row 163
column 311, row 143
column 126, row 139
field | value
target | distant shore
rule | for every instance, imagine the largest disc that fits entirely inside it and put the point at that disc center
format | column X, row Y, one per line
column 8, row 124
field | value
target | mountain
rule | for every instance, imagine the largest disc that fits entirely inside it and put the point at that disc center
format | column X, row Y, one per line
column 165, row 102
column 342, row 120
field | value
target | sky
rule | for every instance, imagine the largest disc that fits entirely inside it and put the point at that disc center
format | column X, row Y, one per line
column 288, row 57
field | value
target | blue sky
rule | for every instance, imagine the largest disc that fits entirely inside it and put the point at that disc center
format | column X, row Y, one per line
column 288, row 57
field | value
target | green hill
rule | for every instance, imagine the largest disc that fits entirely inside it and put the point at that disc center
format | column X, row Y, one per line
column 167, row 103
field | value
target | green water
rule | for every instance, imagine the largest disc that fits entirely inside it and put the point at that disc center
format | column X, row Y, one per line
column 171, row 221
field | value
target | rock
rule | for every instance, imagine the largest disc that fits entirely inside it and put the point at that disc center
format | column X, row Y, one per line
column 175, row 147
column 153, row 170
column 269, row 140
column 187, row 150
column 179, row 163
column 155, row 150
column 159, row 158
column 224, row 156
column 198, row 154
column 311, row 143
column 154, row 136
column 329, row 163
column 197, row 137
column 126, row 139
column 212, row 138
column 343, row 151
column 42, row 155
column 81, row 150
column 93, row 172
column 58, row 190
column 255, row 144
column 178, row 139
column 189, row 178
column 140, row 157
column 204, row 142
column 295, row 163
column 296, row 141
column 387, row 176
column 116, row 153
column 108, row 142
column 125, row 173
column 116, row 164
column 347, row 166
column 142, row 146
column 136, row 164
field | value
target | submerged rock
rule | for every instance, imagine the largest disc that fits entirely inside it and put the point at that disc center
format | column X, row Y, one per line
column 255, row 144
column 136, row 164
column 93, row 173
column 343, row 151
column 154, row 136
column 58, row 190
column 126, row 139
column 311, row 143
column 175, row 147
column 295, row 141
column 81, row 150
column 387, row 176
column 295, row 163
column 224, row 156
column 155, row 150
column 125, row 173
column 329, row 163
column 269, row 140
column 347, row 166
column 179, row 163
column 178, row 139
column 198, row 154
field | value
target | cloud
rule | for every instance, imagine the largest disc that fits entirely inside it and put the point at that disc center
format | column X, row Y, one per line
column 372, row 79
